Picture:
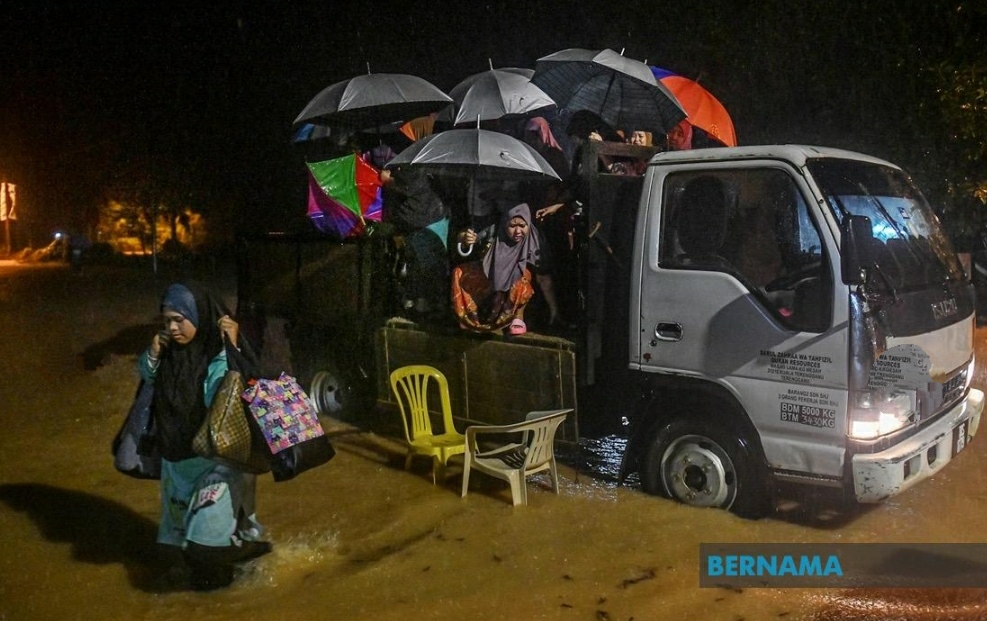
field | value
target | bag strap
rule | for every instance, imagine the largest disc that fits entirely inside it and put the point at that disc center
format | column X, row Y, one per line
column 243, row 359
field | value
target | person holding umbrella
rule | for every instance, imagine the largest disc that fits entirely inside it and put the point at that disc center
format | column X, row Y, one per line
column 491, row 294
column 421, row 218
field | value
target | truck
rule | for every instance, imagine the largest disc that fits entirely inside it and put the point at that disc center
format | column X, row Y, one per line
column 746, row 316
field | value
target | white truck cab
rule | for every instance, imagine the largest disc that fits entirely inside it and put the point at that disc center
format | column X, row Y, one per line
column 796, row 312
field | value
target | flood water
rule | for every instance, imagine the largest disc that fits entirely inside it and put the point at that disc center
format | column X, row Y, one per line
column 360, row 538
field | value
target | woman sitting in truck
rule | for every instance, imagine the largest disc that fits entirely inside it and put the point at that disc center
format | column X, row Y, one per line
column 491, row 294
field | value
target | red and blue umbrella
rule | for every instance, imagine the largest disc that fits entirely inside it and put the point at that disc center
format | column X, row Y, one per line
column 343, row 193
column 703, row 110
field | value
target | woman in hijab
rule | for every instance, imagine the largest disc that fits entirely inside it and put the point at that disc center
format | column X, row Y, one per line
column 207, row 507
column 491, row 294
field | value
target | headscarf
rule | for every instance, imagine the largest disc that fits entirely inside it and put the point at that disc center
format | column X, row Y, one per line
column 179, row 402
column 180, row 299
column 680, row 138
column 540, row 125
column 506, row 260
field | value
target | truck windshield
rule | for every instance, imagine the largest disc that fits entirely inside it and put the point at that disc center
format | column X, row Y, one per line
column 912, row 248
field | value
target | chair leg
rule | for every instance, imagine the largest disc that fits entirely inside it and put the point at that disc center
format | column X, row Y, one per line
column 519, row 493
column 466, row 475
column 407, row 461
column 555, row 476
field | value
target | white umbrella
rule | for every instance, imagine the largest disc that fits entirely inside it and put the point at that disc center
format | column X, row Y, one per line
column 475, row 154
column 498, row 93
column 374, row 99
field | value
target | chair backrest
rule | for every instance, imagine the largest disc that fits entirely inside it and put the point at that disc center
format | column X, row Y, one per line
column 411, row 388
column 540, row 428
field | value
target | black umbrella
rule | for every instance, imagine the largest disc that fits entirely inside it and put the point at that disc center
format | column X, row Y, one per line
column 368, row 101
column 620, row 90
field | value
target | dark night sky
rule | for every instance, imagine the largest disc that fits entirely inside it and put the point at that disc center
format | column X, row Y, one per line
column 87, row 89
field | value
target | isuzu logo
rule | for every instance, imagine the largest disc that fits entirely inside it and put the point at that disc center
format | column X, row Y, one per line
column 946, row 308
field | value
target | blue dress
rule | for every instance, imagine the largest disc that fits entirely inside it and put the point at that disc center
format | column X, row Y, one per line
column 203, row 501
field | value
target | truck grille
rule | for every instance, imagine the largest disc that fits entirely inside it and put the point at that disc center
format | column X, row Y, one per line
column 941, row 397
column 952, row 389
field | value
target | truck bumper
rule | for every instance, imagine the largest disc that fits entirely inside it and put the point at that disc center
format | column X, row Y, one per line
column 877, row 476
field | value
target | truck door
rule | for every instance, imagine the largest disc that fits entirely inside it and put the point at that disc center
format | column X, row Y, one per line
column 737, row 288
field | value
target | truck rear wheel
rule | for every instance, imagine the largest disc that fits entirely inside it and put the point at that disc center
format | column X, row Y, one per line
column 705, row 466
column 334, row 395
column 325, row 392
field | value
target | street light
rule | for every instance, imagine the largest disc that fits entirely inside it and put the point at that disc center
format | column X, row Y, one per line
column 8, row 197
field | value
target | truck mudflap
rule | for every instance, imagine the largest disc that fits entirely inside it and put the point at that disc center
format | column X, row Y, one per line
column 877, row 476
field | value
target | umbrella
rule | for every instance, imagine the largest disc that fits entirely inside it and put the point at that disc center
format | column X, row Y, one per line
column 476, row 155
column 343, row 193
column 367, row 101
column 498, row 93
column 621, row 91
column 703, row 110
column 311, row 132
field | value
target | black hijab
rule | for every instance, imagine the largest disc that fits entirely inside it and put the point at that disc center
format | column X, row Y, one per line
column 179, row 403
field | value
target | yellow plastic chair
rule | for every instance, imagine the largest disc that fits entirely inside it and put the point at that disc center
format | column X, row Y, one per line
column 529, row 448
column 411, row 387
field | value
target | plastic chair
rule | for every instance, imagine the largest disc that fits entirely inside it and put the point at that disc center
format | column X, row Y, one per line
column 532, row 451
column 411, row 387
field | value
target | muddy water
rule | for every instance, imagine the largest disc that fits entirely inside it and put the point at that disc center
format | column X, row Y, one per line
column 362, row 539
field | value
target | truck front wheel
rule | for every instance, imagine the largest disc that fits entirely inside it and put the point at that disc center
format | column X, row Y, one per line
column 703, row 466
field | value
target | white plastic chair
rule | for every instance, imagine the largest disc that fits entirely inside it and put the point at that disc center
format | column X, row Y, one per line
column 530, row 449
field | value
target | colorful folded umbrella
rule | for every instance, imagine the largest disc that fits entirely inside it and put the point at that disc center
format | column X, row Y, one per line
column 343, row 193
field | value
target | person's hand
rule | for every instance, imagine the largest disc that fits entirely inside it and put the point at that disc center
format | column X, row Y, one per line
column 230, row 328
column 159, row 342
column 595, row 136
column 547, row 211
column 385, row 176
column 470, row 237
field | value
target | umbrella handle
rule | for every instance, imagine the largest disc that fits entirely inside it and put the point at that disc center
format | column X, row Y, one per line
column 464, row 253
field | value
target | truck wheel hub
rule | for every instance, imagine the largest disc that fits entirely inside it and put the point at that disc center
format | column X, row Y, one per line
column 696, row 472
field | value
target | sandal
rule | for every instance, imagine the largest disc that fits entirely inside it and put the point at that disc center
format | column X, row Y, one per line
column 516, row 327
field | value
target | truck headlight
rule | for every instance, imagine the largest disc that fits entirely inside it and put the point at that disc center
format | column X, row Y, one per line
column 875, row 413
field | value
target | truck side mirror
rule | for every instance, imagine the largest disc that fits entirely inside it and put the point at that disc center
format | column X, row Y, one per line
column 856, row 248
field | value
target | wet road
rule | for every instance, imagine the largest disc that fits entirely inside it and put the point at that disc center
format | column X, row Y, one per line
column 361, row 538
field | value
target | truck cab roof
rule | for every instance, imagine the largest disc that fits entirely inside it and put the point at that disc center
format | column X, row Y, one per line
column 794, row 153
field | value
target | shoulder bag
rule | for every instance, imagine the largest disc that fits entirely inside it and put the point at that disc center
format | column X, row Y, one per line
column 134, row 447
column 227, row 435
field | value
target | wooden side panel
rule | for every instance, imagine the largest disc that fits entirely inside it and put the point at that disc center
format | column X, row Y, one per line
column 492, row 380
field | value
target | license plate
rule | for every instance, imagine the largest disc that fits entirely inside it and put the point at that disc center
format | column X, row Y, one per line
column 960, row 436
